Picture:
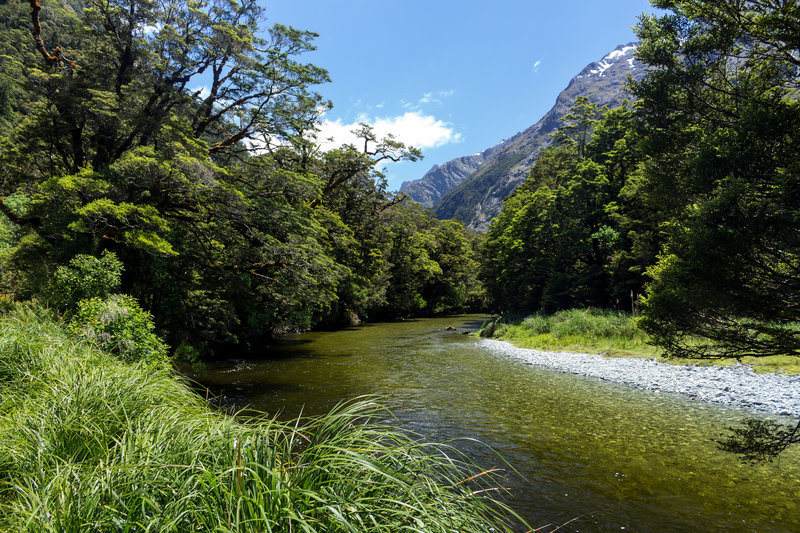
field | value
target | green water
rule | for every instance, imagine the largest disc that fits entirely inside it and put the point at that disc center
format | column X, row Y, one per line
column 610, row 457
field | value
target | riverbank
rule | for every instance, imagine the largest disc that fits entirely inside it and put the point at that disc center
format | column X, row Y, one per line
column 609, row 333
column 89, row 442
column 736, row 385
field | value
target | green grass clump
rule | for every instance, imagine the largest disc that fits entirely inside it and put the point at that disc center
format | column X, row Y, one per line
column 91, row 443
column 581, row 330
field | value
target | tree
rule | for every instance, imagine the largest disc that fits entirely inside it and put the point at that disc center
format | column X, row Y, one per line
column 229, row 220
column 721, row 123
column 566, row 237
column 123, row 150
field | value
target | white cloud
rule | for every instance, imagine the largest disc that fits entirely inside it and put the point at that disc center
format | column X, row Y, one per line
column 428, row 98
column 412, row 128
column 536, row 65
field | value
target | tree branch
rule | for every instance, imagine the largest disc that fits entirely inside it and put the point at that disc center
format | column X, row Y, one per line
column 54, row 59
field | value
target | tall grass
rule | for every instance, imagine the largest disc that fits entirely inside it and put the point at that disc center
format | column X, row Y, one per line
column 91, row 443
column 607, row 332
column 592, row 330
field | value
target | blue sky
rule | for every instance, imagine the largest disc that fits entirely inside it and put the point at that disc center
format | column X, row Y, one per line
column 452, row 77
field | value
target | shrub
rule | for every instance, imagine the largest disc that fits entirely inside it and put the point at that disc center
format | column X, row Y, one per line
column 119, row 326
column 85, row 277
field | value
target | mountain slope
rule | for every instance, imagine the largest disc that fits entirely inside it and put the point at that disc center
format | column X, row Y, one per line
column 440, row 179
column 477, row 198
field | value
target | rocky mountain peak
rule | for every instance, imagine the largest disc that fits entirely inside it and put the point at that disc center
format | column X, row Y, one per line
column 473, row 187
column 621, row 54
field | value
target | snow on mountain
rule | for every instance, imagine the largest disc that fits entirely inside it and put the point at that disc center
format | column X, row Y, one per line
column 473, row 187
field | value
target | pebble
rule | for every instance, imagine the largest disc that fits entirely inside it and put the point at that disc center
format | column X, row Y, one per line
column 736, row 385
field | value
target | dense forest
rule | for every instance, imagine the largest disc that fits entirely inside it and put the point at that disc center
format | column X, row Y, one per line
column 228, row 222
column 683, row 204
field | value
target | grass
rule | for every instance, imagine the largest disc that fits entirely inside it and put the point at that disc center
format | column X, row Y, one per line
column 577, row 330
column 605, row 332
column 91, row 443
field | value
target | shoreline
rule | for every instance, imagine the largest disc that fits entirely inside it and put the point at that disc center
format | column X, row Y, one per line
column 736, row 386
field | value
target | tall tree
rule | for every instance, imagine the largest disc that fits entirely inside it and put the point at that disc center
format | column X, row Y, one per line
column 160, row 140
column 721, row 128
column 565, row 237
column 179, row 138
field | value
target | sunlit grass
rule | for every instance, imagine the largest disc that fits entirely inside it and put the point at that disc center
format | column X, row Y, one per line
column 577, row 330
column 90, row 443
column 609, row 333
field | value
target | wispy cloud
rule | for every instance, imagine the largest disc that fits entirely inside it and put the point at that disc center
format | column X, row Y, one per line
column 412, row 128
column 433, row 97
column 536, row 65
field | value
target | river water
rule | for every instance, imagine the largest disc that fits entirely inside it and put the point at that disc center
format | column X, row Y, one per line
column 601, row 456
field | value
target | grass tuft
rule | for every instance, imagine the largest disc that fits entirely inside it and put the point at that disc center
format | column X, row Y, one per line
column 581, row 330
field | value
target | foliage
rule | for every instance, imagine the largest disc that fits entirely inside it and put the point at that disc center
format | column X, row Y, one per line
column 88, row 442
column 721, row 123
column 86, row 277
column 585, row 330
column 120, row 327
column 9, row 239
column 230, row 223
column 573, row 233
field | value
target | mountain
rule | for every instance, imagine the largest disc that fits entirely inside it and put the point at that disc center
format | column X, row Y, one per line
column 476, row 197
column 439, row 179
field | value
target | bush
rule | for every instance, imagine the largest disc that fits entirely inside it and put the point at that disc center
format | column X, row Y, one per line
column 85, row 277
column 593, row 330
column 119, row 326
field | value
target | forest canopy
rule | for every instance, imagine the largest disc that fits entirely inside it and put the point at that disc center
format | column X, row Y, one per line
column 181, row 137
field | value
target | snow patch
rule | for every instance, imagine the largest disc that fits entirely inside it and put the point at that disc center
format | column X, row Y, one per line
column 603, row 66
column 619, row 53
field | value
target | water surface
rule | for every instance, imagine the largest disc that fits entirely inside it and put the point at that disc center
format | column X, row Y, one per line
column 610, row 457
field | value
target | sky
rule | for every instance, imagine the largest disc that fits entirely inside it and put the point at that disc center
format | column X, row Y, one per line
column 451, row 78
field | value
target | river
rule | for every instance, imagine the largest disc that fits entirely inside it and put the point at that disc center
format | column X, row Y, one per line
column 601, row 456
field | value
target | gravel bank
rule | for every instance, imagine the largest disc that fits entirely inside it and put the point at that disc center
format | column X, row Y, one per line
column 734, row 385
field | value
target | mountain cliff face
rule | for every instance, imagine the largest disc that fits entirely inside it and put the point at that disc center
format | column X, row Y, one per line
column 440, row 179
column 476, row 198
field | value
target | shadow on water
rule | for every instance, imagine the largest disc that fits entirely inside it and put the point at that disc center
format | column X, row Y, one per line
column 618, row 458
column 475, row 324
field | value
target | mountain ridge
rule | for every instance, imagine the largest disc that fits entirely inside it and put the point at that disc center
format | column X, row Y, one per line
column 476, row 198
